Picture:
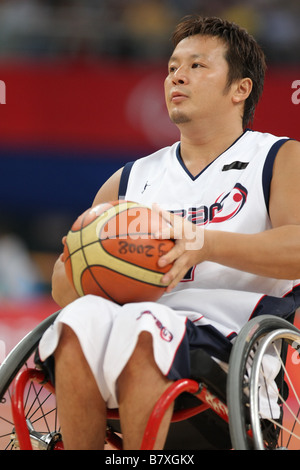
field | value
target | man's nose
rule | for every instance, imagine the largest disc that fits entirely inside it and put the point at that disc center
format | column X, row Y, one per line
column 180, row 76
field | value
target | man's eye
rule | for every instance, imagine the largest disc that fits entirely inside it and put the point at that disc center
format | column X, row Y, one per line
column 196, row 65
column 172, row 69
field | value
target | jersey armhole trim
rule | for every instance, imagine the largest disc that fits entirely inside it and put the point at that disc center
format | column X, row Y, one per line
column 124, row 179
column 268, row 169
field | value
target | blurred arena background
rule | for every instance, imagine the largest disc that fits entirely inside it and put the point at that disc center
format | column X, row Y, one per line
column 83, row 95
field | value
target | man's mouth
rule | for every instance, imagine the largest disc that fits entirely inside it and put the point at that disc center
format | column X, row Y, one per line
column 177, row 96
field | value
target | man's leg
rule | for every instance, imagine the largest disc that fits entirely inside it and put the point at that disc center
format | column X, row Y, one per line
column 140, row 385
column 81, row 409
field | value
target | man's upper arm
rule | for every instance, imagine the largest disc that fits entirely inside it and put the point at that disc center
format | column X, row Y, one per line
column 110, row 189
column 284, row 205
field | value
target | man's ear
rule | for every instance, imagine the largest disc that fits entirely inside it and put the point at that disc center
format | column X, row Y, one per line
column 242, row 90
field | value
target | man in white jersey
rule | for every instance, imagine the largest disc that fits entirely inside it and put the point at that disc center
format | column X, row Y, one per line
column 238, row 187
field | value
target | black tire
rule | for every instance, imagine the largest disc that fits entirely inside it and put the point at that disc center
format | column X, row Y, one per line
column 237, row 384
column 20, row 354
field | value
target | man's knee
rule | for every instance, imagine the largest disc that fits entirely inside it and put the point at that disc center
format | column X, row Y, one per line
column 70, row 362
column 144, row 342
column 144, row 346
column 68, row 345
column 142, row 356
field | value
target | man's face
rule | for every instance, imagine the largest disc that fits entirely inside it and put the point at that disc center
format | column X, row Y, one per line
column 196, row 85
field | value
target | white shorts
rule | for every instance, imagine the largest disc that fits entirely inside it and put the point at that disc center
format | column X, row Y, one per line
column 108, row 334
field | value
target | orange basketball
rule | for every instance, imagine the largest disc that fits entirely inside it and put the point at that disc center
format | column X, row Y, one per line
column 110, row 251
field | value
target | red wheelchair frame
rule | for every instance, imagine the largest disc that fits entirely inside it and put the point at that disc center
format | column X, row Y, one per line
column 206, row 389
column 207, row 399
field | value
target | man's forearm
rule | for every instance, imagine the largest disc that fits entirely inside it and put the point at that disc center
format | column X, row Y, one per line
column 274, row 253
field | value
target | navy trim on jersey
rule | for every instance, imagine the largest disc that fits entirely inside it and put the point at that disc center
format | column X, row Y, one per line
column 178, row 155
column 268, row 169
column 124, row 179
column 205, row 337
column 279, row 306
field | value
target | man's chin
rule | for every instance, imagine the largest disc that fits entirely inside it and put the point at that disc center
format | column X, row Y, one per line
column 179, row 118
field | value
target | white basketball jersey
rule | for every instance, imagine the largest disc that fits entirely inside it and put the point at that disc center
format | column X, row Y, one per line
column 230, row 194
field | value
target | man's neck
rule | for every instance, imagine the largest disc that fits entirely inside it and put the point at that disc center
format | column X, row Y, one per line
column 198, row 149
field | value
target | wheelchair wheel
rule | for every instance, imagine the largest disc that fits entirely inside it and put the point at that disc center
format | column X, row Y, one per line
column 40, row 406
column 261, row 410
column 248, row 426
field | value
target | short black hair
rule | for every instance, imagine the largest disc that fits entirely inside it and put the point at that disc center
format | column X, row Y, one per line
column 244, row 56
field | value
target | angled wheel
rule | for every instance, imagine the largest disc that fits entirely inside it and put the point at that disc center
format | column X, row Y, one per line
column 39, row 404
column 262, row 414
column 239, row 375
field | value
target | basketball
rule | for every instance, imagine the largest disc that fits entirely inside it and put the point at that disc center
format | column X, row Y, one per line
column 110, row 251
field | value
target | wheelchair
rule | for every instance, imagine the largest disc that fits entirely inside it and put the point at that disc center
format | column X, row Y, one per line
column 213, row 409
